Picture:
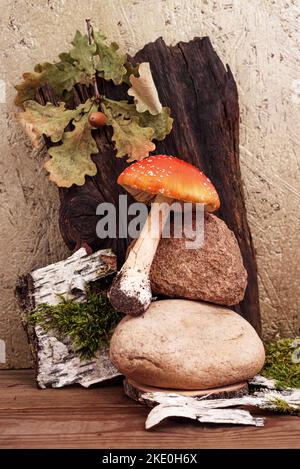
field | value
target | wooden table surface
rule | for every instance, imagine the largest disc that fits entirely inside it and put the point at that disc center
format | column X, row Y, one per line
column 102, row 417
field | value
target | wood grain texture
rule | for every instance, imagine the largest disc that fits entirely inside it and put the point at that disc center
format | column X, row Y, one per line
column 104, row 418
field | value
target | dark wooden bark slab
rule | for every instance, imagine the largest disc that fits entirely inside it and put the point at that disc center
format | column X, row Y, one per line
column 202, row 94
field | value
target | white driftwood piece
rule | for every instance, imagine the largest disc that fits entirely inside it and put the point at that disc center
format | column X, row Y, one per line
column 57, row 364
column 216, row 410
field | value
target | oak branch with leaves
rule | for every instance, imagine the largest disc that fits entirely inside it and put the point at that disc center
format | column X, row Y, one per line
column 135, row 124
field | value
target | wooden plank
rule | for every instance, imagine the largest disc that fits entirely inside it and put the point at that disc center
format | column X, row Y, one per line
column 104, row 417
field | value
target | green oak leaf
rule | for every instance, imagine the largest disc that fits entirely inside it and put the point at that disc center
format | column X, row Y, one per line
column 82, row 53
column 111, row 62
column 74, row 67
column 65, row 57
column 77, row 66
column 161, row 123
column 61, row 77
column 49, row 120
column 71, row 161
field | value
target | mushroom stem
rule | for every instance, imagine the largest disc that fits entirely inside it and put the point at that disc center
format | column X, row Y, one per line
column 130, row 292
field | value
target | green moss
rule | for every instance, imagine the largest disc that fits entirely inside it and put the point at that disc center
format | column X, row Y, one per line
column 280, row 405
column 89, row 325
column 282, row 364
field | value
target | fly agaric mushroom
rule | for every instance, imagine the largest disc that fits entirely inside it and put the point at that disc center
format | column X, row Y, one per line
column 161, row 179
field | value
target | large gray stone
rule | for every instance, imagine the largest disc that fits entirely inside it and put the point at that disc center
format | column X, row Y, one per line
column 184, row 344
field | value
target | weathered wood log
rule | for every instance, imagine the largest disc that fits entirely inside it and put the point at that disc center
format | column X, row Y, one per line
column 55, row 361
column 202, row 95
column 217, row 410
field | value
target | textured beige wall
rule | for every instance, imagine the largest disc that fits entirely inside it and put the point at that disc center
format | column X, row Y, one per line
column 260, row 41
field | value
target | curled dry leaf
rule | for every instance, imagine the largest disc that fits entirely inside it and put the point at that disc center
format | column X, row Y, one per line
column 144, row 91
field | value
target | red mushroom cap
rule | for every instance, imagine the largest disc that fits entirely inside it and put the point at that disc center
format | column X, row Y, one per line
column 171, row 177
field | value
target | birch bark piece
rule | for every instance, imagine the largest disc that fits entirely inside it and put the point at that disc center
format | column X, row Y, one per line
column 56, row 363
column 217, row 410
column 217, row 416
column 261, row 381
column 59, row 366
column 70, row 276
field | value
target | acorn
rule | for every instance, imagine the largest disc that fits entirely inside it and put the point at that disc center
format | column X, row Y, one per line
column 97, row 119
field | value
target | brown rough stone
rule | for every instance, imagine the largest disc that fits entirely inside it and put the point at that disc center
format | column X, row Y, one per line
column 184, row 344
column 214, row 272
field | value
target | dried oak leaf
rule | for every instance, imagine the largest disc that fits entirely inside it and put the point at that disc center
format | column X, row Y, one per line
column 131, row 139
column 47, row 120
column 71, row 161
column 133, row 131
column 111, row 63
column 27, row 88
column 144, row 91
